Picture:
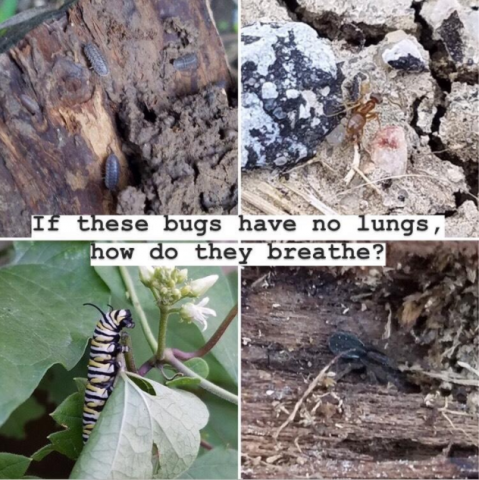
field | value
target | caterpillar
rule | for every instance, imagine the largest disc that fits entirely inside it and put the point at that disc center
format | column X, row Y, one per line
column 102, row 366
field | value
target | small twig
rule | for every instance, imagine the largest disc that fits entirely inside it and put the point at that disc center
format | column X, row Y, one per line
column 129, row 358
column 468, row 367
column 387, row 329
column 312, row 200
column 445, row 377
column 312, row 162
column 366, row 179
column 469, row 437
column 259, row 281
column 308, row 391
column 354, row 166
column 208, row 346
column 397, row 177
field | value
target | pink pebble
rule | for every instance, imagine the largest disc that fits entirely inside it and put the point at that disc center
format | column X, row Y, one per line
column 389, row 150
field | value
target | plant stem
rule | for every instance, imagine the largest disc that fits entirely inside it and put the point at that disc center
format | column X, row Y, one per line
column 208, row 346
column 206, row 445
column 164, row 314
column 147, row 366
column 130, row 287
column 210, row 387
column 129, row 358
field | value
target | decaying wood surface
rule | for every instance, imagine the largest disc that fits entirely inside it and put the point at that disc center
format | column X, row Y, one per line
column 356, row 428
column 59, row 120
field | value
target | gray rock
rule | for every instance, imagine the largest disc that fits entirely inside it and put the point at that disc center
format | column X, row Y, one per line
column 291, row 93
column 357, row 20
column 459, row 128
column 264, row 11
column 405, row 55
column 454, row 24
column 464, row 223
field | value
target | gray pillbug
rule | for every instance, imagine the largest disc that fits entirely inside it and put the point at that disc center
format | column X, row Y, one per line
column 30, row 104
column 112, row 172
column 186, row 62
column 96, row 59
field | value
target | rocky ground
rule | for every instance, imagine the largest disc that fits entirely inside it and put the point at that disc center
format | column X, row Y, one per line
column 305, row 62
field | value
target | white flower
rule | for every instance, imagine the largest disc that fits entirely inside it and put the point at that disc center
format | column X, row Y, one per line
column 202, row 285
column 146, row 274
column 197, row 313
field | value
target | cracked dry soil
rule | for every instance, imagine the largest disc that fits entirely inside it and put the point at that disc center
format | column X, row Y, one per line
column 437, row 108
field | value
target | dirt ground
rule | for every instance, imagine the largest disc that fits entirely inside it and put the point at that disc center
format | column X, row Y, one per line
column 441, row 175
column 421, row 311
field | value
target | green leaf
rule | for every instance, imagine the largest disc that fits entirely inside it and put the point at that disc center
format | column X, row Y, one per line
column 133, row 423
column 69, row 415
column 58, row 382
column 14, row 427
column 222, row 429
column 7, row 9
column 42, row 319
column 183, row 382
column 217, row 463
column 199, row 366
column 13, row 466
column 39, row 455
column 145, row 385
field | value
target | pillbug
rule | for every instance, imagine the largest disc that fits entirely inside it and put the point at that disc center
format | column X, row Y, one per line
column 96, row 59
column 186, row 62
column 30, row 104
column 102, row 366
column 112, row 172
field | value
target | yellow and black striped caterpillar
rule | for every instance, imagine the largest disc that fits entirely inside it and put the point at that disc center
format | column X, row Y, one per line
column 102, row 366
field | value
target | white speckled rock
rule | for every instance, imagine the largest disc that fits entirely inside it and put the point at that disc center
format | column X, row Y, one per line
column 455, row 23
column 291, row 90
column 404, row 52
column 465, row 222
column 264, row 11
column 459, row 127
column 358, row 19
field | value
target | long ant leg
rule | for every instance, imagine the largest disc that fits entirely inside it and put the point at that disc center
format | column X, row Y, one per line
column 374, row 116
column 349, row 107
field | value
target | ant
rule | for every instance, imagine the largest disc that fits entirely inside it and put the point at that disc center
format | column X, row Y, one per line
column 361, row 112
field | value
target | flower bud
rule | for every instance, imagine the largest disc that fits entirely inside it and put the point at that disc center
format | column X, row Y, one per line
column 202, row 285
column 146, row 275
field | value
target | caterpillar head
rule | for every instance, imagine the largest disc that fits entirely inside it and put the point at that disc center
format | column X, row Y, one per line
column 123, row 318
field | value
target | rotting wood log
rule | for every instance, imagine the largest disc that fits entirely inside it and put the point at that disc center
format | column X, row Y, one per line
column 59, row 120
column 356, row 429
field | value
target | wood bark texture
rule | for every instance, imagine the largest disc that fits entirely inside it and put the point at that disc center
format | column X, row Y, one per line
column 59, row 119
column 356, row 428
